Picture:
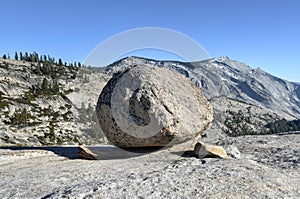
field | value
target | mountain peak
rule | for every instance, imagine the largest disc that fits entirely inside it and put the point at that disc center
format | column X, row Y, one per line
column 223, row 58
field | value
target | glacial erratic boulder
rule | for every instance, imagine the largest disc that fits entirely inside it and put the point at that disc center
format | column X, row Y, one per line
column 151, row 106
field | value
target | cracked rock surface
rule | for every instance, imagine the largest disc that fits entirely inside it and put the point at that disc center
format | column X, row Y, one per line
column 268, row 167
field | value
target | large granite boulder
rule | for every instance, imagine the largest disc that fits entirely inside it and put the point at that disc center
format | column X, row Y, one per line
column 151, row 106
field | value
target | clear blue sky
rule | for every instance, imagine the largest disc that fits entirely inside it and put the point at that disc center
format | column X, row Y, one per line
column 261, row 33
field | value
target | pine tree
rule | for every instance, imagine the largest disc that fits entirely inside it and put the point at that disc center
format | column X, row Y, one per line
column 60, row 62
column 31, row 57
column 16, row 56
column 20, row 117
column 35, row 57
column 21, row 56
column 45, row 86
column 50, row 59
column 4, row 56
column 38, row 69
column 26, row 56
column 55, row 88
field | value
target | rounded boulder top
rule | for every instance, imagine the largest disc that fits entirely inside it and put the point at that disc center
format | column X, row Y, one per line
column 148, row 106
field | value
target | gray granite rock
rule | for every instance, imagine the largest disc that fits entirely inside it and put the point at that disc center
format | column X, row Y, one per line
column 203, row 150
column 269, row 167
column 151, row 106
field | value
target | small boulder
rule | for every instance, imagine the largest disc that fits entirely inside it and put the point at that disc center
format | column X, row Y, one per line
column 85, row 153
column 233, row 152
column 203, row 150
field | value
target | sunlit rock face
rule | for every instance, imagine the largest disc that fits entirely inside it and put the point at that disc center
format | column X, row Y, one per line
column 152, row 106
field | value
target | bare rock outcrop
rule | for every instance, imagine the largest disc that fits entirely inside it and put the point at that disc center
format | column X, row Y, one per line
column 152, row 106
column 269, row 168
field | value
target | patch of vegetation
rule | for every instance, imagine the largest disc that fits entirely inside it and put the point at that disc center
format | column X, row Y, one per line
column 1, row 95
column 238, row 124
column 21, row 117
column 68, row 106
column 67, row 92
column 29, row 96
column 4, row 65
column 7, row 140
column 62, row 108
column 46, row 88
column 283, row 125
column 68, row 116
column 45, row 65
column 244, row 123
column 3, row 102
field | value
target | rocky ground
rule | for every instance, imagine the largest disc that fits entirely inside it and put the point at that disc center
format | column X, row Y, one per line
column 269, row 167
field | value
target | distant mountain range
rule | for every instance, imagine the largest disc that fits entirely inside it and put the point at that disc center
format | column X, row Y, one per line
column 224, row 77
column 297, row 83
